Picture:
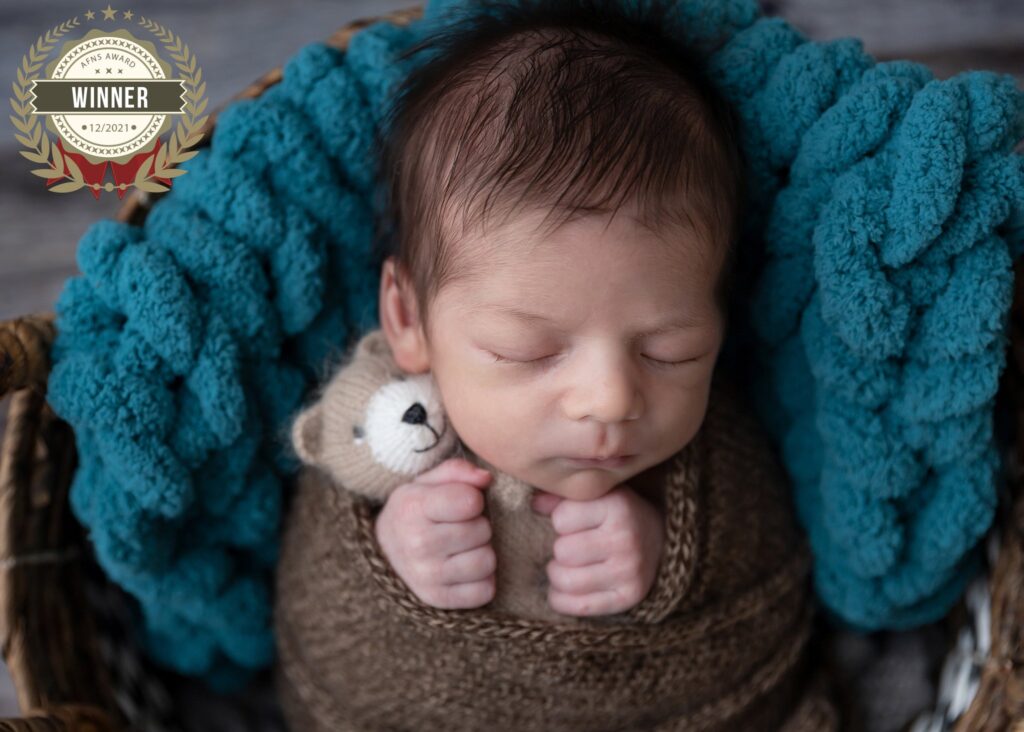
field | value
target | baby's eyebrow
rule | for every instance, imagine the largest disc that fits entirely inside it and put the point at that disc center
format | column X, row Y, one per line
column 678, row 321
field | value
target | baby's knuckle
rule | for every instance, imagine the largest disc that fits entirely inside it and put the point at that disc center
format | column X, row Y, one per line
column 482, row 593
column 401, row 493
column 412, row 572
column 629, row 544
column 553, row 571
column 486, row 532
column 552, row 567
column 489, row 589
column 467, row 594
column 473, row 565
column 488, row 560
column 446, row 597
column 559, row 519
column 434, row 573
column 424, row 593
column 407, row 506
column 632, row 593
column 462, row 496
column 425, row 574
column 631, row 563
column 620, row 500
column 560, row 550
column 569, row 581
column 472, row 500
column 435, row 597
column 556, row 601
column 583, row 606
column 417, row 543
column 558, row 554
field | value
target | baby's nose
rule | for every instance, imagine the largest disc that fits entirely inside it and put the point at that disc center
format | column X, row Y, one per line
column 415, row 414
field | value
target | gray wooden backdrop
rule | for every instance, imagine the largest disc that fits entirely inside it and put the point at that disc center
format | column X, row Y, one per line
column 235, row 42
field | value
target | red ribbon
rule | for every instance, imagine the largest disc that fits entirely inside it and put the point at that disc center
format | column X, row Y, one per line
column 93, row 173
column 125, row 173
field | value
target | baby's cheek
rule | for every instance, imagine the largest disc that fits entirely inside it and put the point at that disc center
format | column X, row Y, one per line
column 689, row 415
column 489, row 423
column 467, row 411
column 486, row 431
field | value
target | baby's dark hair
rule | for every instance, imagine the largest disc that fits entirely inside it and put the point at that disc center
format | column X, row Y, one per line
column 577, row 106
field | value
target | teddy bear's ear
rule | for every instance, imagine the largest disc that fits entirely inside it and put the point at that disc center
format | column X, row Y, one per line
column 374, row 344
column 306, row 431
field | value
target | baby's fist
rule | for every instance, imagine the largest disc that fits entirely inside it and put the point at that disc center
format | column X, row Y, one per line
column 434, row 535
column 607, row 552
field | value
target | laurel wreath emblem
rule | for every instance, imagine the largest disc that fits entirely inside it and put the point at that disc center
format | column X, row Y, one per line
column 186, row 134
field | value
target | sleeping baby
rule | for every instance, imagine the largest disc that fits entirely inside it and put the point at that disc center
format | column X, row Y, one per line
column 563, row 196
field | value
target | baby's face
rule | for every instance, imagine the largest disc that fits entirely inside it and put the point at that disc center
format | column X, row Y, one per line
column 610, row 335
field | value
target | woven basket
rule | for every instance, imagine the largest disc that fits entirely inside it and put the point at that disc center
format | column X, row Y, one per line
column 73, row 661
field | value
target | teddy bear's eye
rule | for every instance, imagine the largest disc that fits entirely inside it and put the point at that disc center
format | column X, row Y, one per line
column 357, row 431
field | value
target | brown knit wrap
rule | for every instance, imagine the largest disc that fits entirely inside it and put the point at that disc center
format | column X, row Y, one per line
column 718, row 643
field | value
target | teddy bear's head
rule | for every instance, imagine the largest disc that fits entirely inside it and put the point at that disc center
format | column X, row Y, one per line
column 373, row 426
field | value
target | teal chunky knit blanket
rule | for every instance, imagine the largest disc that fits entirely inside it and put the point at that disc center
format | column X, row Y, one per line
column 890, row 205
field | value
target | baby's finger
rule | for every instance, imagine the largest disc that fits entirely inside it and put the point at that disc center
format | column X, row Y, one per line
column 453, row 502
column 577, row 580
column 581, row 549
column 464, row 535
column 455, row 470
column 544, row 502
column 467, row 594
column 472, row 566
column 568, row 517
column 605, row 602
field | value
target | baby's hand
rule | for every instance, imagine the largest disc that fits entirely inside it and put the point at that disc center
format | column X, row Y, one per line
column 434, row 535
column 607, row 553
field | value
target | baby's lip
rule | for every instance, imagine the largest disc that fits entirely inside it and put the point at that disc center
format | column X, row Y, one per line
column 612, row 461
column 613, row 456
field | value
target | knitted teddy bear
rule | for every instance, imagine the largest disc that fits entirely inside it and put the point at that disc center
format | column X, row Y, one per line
column 374, row 428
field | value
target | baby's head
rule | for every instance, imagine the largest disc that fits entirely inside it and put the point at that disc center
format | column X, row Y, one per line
column 563, row 192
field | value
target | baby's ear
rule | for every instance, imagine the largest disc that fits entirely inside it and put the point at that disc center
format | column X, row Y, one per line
column 306, row 432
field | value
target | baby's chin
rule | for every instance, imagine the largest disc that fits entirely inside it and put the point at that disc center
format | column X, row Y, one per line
column 581, row 484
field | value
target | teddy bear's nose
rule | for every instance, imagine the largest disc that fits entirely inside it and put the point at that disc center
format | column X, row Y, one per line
column 415, row 414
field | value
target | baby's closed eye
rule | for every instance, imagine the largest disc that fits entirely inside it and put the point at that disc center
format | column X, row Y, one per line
column 498, row 358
